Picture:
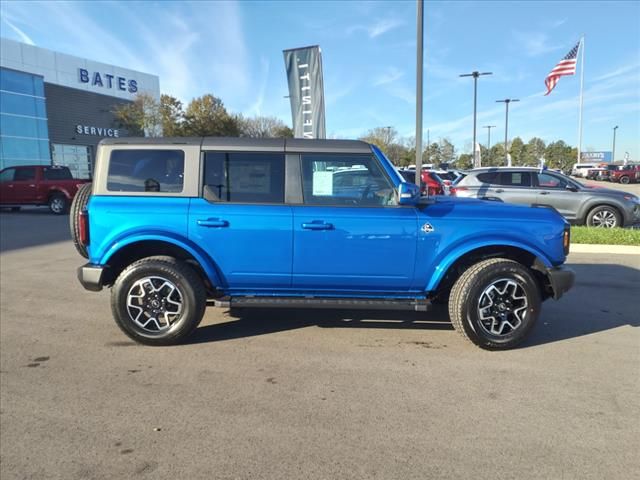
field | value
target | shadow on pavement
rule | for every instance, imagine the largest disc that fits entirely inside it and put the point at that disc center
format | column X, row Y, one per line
column 603, row 298
column 31, row 227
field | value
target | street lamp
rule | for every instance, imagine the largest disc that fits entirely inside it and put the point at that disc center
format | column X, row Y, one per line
column 613, row 150
column 507, row 101
column 475, row 76
column 419, row 83
column 489, row 127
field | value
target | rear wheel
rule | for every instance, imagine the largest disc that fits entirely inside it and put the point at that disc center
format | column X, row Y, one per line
column 58, row 203
column 158, row 301
column 77, row 206
column 604, row 217
column 495, row 303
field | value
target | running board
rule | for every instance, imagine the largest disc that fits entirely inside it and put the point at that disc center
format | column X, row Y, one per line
column 413, row 304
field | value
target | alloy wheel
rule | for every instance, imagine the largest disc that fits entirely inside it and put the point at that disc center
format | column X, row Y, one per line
column 502, row 306
column 154, row 304
column 604, row 219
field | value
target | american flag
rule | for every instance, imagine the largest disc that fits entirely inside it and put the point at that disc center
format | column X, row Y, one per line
column 566, row 66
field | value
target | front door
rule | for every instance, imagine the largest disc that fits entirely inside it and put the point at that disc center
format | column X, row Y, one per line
column 24, row 185
column 241, row 220
column 350, row 235
column 553, row 191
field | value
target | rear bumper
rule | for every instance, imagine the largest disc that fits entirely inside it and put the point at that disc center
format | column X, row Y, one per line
column 561, row 280
column 90, row 276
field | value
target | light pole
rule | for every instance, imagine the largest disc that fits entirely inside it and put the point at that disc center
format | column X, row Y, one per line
column 507, row 101
column 419, row 68
column 613, row 150
column 475, row 76
column 489, row 127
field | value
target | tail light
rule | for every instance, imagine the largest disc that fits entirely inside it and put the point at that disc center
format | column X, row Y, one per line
column 455, row 190
column 566, row 239
column 83, row 227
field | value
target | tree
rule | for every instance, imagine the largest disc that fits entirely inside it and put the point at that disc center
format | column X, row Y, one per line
column 533, row 152
column 141, row 117
column 388, row 140
column 263, row 127
column 517, row 151
column 465, row 161
column 207, row 116
column 560, row 155
column 448, row 151
column 172, row 116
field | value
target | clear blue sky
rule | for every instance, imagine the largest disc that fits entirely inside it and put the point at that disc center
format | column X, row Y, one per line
column 234, row 50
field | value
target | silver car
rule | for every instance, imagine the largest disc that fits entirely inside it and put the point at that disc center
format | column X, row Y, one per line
column 578, row 203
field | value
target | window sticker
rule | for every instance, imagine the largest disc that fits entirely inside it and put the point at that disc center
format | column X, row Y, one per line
column 322, row 184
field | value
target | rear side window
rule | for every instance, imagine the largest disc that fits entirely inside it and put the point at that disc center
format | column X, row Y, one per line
column 489, row 177
column 57, row 173
column 7, row 175
column 25, row 174
column 146, row 171
column 514, row 179
column 244, row 177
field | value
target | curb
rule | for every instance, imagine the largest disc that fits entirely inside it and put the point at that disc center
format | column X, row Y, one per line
column 612, row 249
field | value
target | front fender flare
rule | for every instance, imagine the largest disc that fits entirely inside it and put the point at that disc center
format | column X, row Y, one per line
column 448, row 258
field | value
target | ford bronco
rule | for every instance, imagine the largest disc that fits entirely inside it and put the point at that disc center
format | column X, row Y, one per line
column 170, row 224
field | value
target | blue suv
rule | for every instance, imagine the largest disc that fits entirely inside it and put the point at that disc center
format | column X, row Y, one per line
column 169, row 224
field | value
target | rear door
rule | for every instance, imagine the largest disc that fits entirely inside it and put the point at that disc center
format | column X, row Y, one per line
column 242, row 222
column 350, row 235
column 507, row 186
column 7, row 189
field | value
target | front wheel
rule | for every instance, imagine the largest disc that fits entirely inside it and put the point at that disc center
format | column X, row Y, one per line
column 495, row 303
column 604, row 217
column 624, row 180
column 158, row 301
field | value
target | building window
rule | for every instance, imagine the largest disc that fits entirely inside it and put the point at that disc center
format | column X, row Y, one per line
column 76, row 157
column 24, row 136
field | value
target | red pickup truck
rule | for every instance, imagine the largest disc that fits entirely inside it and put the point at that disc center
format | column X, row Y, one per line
column 38, row 185
column 626, row 174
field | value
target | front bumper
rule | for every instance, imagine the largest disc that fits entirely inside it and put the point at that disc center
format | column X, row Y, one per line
column 91, row 276
column 561, row 280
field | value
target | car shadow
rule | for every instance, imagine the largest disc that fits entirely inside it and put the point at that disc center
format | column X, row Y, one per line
column 601, row 300
column 31, row 227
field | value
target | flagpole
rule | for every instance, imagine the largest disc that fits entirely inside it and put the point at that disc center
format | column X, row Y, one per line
column 581, row 98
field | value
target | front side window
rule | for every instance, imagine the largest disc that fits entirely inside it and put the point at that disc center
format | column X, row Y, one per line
column 25, row 174
column 345, row 180
column 244, row 177
column 550, row 181
column 146, row 171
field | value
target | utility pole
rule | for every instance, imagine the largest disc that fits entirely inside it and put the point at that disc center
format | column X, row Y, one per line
column 475, row 76
column 613, row 150
column 489, row 127
column 419, row 68
column 507, row 101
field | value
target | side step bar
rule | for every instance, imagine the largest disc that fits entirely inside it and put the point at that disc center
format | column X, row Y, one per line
column 413, row 304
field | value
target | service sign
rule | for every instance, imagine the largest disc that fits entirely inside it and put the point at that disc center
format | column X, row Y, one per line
column 595, row 157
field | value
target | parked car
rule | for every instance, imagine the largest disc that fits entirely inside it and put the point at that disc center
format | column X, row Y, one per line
column 38, row 185
column 580, row 169
column 432, row 184
column 625, row 174
column 578, row 203
column 249, row 222
column 599, row 173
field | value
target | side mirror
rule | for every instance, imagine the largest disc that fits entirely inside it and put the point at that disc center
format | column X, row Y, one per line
column 571, row 188
column 408, row 194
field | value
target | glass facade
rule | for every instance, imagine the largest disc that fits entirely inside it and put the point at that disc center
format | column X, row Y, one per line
column 76, row 157
column 24, row 136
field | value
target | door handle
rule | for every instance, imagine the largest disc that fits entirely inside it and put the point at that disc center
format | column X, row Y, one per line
column 315, row 225
column 213, row 223
column 32, row 185
column 499, row 190
column 545, row 193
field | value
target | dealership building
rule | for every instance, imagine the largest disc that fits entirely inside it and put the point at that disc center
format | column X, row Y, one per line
column 55, row 108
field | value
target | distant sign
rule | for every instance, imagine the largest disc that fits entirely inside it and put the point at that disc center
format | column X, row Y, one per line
column 595, row 157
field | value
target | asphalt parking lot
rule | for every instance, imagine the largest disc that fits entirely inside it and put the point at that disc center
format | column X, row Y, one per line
column 303, row 394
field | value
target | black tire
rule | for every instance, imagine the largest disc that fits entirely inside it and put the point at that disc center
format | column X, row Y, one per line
column 470, row 291
column 624, row 179
column 58, row 204
column 184, row 280
column 15, row 209
column 604, row 216
column 77, row 206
